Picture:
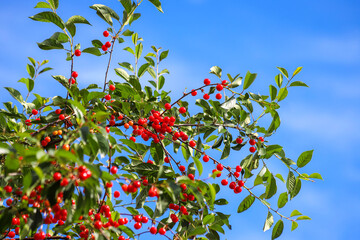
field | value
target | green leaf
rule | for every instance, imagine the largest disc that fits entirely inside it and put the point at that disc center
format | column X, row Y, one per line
column 226, row 151
column 278, row 229
column 138, row 50
column 249, row 79
column 221, row 201
column 272, row 149
column 198, row 164
column 236, row 83
column 127, row 5
column 122, row 73
column 273, row 92
column 197, row 231
column 208, row 219
column 246, row 203
column 280, row 177
column 218, row 142
column 105, row 13
column 54, row 3
column 282, row 94
column 271, row 188
column 15, row 94
column 298, row 84
column 157, row 4
column 283, row 199
column 290, row 182
column 303, row 218
column 29, row 83
column 163, row 55
column 294, row 225
column 297, row 70
column 296, row 189
column 283, row 71
column 12, row 165
column 42, row 5
column 216, row 70
column 49, row 17
column 77, row 19
column 279, row 80
column 50, row 44
column 268, row 222
column 45, row 70
column 142, row 70
column 304, row 158
column 316, row 175
column 92, row 50
column 295, row 213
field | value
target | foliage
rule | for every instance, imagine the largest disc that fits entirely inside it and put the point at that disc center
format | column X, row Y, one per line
column 60, row 156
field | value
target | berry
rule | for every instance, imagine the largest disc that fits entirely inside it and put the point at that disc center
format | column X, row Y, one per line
column 124, row 187
column 61, row 116
column 252, row 149
column 224, row 82
column 206, row 81
column 8, row 189
column 66, row 147
column 167, row 106
column 104, row 48
column 98, row 224
column 113, row 169
column 182, row 110
column 108, row 44
column 133, row 139
column 106, row 33
column 162, row 231
column 191, row 176
column 219, row 167
column 236, row 174
column 218, row 96
column 238, row 189
column 57, row 176
column 34, row 112
column 137, row 225
column 145, row 182
column 107, row 129
column 107, row 97
column 252, row 142
column 219, row 87
column 224, row 182
column 206, row 96
column 152, row 192
column 64, row 182
column 239, row 140
column 193, row 92
column 153, row 230
column 28, row 122
column 241, row 183
column 137, row 184
column 58, row 111
column 74, row 74
column 232, row 185
column 47, row 139
column 192, row 143
column 11, row 234
column 9, row 202
column 238, row 169
column 206, row 158
column 77, row 53
column 144, row 219
column 261, row 139
column 166, row 159
column 182, row 168
column 116, row 194
column 112, row 88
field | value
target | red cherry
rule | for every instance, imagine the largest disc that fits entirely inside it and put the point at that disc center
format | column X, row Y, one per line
column 145, row 182
column 192, row 143
column 107, row 129
column 106, row 33
column 64, row 182
column 218, row 96
column 113, row 169
column 167, row 106
column 238, row 169
column 191, row 176
column 206, row 158
column 57, row 176
column 152, row 192
column 116, row 194
column 153, row 230
column 239, row 140
column 224, row 82
column 137, row 184
column 109, row 184
column 224, row 182
column 9, row 202
column 241, row 183
column 112, row 88
column 144, row 219
column 104, row 48
column 232, row 185
column 124, row 187
column 133, row 139
column 220, row 167
column 61, row 116
column 8, row 189
column 28, row 122
column 98, row 224
column 77, row 53
column 219, row 87
column 74, row 74
column 58, row 111
column 206, row 81
column 166, row 159
column 182, row 110
column 252, row 142
column 107, row 97
column 108, row 44
column 162, row 231
column 193, row 92
column 252, row 149
column 182, row 168
column 206, row 96
column 137, row 225
column 11, row 234
column 34, row 112
column 238, row 189
column 261, row 139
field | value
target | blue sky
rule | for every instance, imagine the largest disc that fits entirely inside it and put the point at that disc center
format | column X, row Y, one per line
column 322, row 36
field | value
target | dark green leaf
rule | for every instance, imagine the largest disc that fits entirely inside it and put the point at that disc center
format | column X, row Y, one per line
column 246, row 203
column 278, row 229
column 273, row 92
column 49, row 17
column 282, row 94
column 163, row 55
column 283, row 199
column 92, row 50
column 157, row 4
column 249, row 79
column 304, row 158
